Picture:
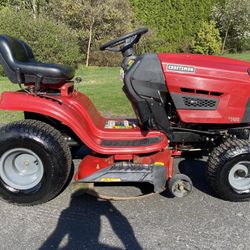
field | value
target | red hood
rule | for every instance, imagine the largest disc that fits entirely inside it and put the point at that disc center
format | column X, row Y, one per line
column 199, row 76
column 208, row 65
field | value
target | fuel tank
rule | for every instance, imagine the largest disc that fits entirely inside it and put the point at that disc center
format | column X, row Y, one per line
column 208, row 89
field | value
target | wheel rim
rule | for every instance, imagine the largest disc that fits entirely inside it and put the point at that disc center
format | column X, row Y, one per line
column 239, row 177
column 21, row 168
column 181, row 188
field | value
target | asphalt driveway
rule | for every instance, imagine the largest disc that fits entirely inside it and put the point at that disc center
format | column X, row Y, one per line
column 199, row 221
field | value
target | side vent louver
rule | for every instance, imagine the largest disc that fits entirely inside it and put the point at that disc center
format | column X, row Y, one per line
column 201, row 92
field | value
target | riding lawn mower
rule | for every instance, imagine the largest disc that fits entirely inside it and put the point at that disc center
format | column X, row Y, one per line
column 183, row 103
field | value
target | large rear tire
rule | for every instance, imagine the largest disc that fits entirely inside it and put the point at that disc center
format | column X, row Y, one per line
column 229, row 170
column 35, row 162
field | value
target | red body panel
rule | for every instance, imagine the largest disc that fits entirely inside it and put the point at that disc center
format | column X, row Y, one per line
column 212, row 74
column 78, row 113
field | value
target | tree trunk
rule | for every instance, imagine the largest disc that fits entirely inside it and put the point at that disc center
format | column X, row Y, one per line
column 34, row 8
column 225, row 40
column 90, row 41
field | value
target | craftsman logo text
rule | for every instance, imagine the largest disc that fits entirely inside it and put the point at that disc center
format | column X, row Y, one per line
column 180, row 68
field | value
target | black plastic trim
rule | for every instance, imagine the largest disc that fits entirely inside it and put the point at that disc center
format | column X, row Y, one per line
column 148, row 79
column 143, row 85
column 131, row 143
column 246, row 116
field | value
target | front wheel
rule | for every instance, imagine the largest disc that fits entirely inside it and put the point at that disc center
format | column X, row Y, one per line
column 180, row 185
column 35, row 162
column 229, row 170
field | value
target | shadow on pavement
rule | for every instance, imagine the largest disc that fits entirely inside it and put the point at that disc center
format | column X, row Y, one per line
column 196, row 170
column 81, row 224
column 81, row 221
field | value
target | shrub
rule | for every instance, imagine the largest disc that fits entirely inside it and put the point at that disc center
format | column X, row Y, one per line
column 174, row 22
column 207, row 40
column 51, row 41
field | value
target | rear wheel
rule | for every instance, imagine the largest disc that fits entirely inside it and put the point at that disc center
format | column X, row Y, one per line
column 229, row 170
column 35, row 162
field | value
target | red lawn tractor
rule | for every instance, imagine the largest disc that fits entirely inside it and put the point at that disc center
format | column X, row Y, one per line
column 183, row 103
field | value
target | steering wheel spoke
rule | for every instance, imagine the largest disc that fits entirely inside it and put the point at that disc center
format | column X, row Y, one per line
column 117, row 44
column 113, row 49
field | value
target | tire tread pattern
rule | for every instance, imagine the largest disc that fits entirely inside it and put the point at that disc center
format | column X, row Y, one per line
column 220, row 155
column 53, row 141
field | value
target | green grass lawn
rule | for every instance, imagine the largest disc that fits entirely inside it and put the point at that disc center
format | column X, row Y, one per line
column 102, row 85
column 241, row 56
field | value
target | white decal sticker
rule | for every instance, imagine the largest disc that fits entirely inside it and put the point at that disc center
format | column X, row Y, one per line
column 234, row 119
column 180, row 68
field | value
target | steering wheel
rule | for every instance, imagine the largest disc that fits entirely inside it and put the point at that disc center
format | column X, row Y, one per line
column 127, row 41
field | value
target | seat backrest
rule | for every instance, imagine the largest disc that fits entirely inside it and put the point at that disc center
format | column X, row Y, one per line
column 21, row 66
column 12, row 51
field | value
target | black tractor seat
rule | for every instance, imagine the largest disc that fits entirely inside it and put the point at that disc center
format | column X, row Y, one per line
column 21, row 67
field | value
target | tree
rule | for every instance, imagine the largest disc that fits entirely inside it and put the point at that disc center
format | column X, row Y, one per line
column 233, row 21
column 52, row 42
column 174, row 22
column 93, row 19
column 35, row 7
column 207, row 40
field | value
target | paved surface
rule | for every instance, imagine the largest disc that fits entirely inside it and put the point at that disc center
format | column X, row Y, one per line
column 199, row 221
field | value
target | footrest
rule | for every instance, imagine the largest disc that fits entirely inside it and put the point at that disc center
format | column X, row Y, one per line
column 131, row 143
column 130, row 172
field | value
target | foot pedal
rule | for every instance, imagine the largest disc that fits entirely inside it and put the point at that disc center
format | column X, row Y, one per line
column 130, row 172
